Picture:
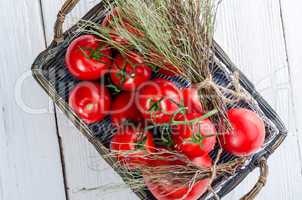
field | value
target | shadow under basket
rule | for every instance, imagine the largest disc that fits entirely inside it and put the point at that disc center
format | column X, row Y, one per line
column 51, row 73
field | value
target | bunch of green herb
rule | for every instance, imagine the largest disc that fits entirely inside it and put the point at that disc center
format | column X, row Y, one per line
column 177, row 33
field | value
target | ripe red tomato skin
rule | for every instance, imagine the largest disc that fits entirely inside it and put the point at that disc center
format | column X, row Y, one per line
column 125, row 141
column 248, row 133
column 166, row 158
column 118, row 39
column 163, row 158
column 78, row 62
column 106, row 21
column 114, row 36
column 136, row 72
column 203, row 161
column 90, row 101
column 191, row 100
column 182, row 135
column 162, row 91
column 124, row 108
column 169, row 70
column 167, row 190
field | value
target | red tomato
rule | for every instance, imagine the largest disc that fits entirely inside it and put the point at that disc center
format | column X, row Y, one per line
column 124, row 109
column 191, row 100
column 201, row 161
column 90, row 101
column 158, row 100
column 87, row 58
column 131, row 145
column 196, row 139
column 169, row 70
column 129, row 73
column 110, row 16
column 167, row 189
column 248, row 132
column 118, row 39
column 163, row 157
column 125, row 23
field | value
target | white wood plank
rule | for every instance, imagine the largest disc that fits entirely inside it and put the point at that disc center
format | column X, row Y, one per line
column 50, row 11
column 291, row 14
column 251, row 33
column 84, row 167
column 291, row 10
column 30, row 166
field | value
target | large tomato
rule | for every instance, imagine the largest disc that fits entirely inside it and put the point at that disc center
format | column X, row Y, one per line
column 87, row 58
column 248, row 132
column 131, row 146
column 169, row 189
column 124, row 109
column 158, row 100
column 191, row 100
column 194, row 139
column 91, row 101
column 130, row 72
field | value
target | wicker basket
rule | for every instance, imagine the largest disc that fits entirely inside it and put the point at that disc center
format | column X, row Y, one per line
column 50, row 72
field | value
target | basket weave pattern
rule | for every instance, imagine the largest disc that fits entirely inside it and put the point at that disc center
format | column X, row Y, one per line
column 50, row 72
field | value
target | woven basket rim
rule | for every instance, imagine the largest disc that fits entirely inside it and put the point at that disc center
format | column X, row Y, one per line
column 220, row 55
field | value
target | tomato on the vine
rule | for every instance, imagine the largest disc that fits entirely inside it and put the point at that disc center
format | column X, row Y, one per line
column 129, row 72
column 247, row 135
column 88, row 58
column 158, row 100
column 191, row 100
column 91, row 101
column 124, row 109
column 131, row 146
column 193, row 137
column 166, row 188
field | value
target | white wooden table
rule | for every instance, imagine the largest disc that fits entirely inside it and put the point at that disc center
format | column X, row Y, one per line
column 43, row 157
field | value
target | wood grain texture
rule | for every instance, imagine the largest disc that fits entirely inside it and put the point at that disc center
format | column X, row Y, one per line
column 85, row 169
column 30, row 166
column 251, row 33
column 291, row 16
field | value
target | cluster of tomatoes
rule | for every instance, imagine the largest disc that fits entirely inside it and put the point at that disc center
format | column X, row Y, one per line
column 149, row 104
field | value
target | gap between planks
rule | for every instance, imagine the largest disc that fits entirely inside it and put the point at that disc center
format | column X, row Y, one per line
column 29, row 155
column 55, row 113
column 292, row 100
column 291, row 15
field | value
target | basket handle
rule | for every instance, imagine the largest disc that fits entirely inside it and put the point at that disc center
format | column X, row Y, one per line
column 59, row 37
column 58, row 28
column 261, row 181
